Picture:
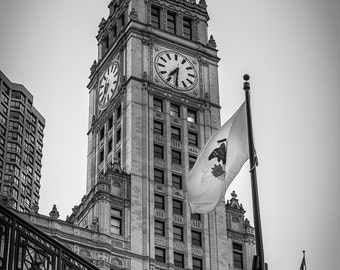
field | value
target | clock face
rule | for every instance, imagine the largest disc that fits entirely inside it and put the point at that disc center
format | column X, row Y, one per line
column 108, row 84
column 176, row 70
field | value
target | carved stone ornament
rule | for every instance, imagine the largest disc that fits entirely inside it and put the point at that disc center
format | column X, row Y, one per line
column 202, row 3
column 34, row 208
column 93, row 67
column 133, row 15
column 212, row 42
column 54, row 213
column 102, row 23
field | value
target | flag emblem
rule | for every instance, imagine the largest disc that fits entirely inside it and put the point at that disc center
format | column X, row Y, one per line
column 218, row 163
column 220, row 154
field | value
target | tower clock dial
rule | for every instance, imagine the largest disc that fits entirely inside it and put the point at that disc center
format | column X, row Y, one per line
column 108, row 84
column 176, row 70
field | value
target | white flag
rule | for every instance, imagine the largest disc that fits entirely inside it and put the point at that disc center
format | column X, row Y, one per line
column 218, row 163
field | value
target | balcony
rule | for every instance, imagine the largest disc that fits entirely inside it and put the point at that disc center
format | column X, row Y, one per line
column 25, row 247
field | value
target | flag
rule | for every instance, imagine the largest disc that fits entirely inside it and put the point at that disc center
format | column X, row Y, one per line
column 218, row 163
column 303, row 262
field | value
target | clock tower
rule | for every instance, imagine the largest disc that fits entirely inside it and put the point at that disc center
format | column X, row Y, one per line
column 153, row 103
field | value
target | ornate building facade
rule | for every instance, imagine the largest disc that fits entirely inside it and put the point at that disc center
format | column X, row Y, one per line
column 153, row 103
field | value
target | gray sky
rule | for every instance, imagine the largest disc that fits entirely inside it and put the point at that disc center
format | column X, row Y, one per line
column 291, row 49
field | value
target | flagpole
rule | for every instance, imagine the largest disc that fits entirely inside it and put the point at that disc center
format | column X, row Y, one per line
column 259, row 260
column 303, row 263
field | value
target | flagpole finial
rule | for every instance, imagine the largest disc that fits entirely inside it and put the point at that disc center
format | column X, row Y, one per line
column 303, row 251
column 246, row 85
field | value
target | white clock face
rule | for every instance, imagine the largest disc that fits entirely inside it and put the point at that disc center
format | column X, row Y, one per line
column 176, row 70
column 108, row 84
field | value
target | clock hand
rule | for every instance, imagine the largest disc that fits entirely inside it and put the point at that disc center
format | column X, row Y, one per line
column 172, row 72
column 176, row 81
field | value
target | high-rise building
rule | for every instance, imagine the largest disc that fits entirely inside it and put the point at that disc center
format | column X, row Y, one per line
column 21, row 143
column 153, row 103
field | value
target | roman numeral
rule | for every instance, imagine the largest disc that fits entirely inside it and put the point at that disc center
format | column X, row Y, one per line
column 188, row 68
column 184, row 84
column 176, row 56
column 163, row 72
column 161, row 65
column 162, row 59
column 191, row 75
column 168, row 55
column 184, row 60
column 168, row 79
column 189, row 81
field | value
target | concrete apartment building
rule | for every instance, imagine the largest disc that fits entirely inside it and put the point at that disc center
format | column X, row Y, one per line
column 21, row 143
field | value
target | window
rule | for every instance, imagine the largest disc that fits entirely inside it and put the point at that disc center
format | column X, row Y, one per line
column 116, row 221
column 238, row 255
column 119, row 111
column 101, row 156
column 40, row 127
column 196, row 238
column 3, row 119
column 17, row 105
column 176, row 157
column 4, row 99
column 158, row 128
column 110, row 123
column 15, row 193
column 158, row 105
column 119, row 154
column 4, row 110
column 122, row 19
column 196, row 217
column 101, row 134
column 159, row 228
column 187, row 30
column 155, row 17
column 177, row 181
column 177, row 207
column 192, row 139
column 171, row 23
column 197, row 264
column 158, row 151
column 175, row 133
column 15, row 126
column 13, row 147
column 5, row 88
column 160, row 254
column 192, row 161
column 159, row 202
column 178, row 233
column 2, row 130
column 106, row 43
column 2, row 141
column 18, row 95
column 114, row 31
column 159, row 176
column 109, row 145
column 118, row 135
column 174, row 110
column 179, row 259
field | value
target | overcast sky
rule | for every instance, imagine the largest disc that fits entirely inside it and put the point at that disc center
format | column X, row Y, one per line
column 291, row 49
